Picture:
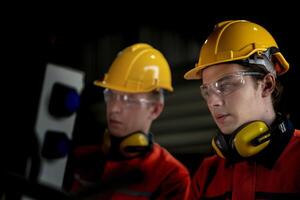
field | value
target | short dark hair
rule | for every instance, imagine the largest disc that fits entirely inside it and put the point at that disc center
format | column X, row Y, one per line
column 277, row 93
column 157, row 95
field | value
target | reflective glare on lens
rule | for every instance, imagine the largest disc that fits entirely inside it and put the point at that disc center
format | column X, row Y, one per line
column 227, row 84
column 127, row 99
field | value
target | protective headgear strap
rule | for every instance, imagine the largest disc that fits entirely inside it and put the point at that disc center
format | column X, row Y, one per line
column 263, row 59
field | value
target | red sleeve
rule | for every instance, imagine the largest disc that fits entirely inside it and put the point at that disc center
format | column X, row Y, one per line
column 177, row 187
column 201, row 177
column 173, row 176
column 88, row 166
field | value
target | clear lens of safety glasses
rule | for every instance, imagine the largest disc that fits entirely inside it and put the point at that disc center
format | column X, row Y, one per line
column 227, row 84
column 127, row 99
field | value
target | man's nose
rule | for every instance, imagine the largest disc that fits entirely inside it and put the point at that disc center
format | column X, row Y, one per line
column 115, row 105
column 214, row 99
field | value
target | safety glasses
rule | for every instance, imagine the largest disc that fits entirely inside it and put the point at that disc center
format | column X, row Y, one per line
column 129, row 100
column 227, row 84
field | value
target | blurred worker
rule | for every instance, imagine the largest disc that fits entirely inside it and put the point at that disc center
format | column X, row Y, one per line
column 134, row 98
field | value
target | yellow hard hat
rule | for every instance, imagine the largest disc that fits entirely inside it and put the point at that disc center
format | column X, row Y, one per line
column 236, row 40
column 138, row 68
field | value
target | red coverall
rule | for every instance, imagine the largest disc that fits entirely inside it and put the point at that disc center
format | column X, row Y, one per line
column 163, row 177
column 248, row 180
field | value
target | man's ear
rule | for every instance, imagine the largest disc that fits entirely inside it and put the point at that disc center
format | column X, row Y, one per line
column 156, row 110
column 268, row 85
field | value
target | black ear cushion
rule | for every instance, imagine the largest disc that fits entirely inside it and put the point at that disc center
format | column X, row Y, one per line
column 220, row 145
column 106, row 143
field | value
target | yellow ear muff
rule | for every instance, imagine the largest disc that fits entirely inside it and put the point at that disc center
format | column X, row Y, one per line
column 134, row 144
column 252, row 138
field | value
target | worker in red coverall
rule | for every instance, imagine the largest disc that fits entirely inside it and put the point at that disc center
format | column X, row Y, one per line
column 258, row 150
column 135, row 166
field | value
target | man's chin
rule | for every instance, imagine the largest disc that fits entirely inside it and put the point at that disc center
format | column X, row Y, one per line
column 117, row 133
column 226, row 130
